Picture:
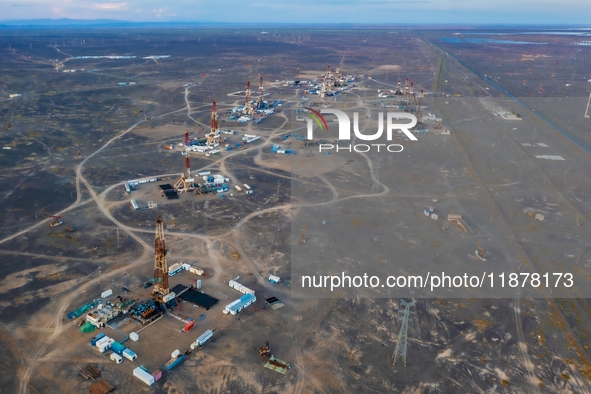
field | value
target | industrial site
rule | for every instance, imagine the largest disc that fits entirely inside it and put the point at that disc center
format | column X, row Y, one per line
column 174, row 202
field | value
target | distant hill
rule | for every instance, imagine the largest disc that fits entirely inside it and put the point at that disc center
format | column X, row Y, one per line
column 62, row 22
column 67, row 22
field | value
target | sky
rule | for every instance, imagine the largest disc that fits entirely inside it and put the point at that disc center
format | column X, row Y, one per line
column 308, row 11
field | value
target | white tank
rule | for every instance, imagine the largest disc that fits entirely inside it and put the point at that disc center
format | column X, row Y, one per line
column 199, row 284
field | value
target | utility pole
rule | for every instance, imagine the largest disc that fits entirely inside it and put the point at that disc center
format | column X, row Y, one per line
column 117, row 237
column 400, row 350
column 587, row 110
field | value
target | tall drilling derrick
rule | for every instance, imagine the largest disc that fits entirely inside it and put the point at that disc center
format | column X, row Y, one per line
column 248, row 110
column 185, row 182
column 406, row 93
column 419, row 111
column 161, row 289
column 297, row 72
column 213, row 137
column 261, row 96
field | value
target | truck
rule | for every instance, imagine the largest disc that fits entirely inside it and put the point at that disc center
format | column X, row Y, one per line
column 204, row 337
column 174, row 362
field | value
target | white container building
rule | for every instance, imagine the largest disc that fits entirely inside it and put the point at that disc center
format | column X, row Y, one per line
column 241, row 288
column 186, row 266
column 274, row 279
column 196, row 271
column 134, row 336
column 241, row 303
column 106, row 293
column 247, row 187
column 128, row 354
column 102, row 341
column 117, row 358
column 238, row 188
column 105, row 345
column 175, row 267
column 175, row 353
column 143, row 376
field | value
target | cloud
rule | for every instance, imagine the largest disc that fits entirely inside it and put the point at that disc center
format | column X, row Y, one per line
column 110, row 6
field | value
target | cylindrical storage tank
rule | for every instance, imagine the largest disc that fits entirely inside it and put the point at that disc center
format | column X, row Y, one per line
column 199, row 284
column 134, row 336
column 175, row 353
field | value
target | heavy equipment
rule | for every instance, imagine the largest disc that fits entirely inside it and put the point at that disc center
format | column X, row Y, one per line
column 56, row 222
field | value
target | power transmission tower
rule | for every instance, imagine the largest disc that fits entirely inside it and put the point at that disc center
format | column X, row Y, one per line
column 400, row 350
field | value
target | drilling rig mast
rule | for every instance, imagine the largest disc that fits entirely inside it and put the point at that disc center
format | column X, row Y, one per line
column 297, row 77
column 261, row 96
column 185, row 183
column 419, row 110
column 213, row 138
column 161, row 291
column 248, row 110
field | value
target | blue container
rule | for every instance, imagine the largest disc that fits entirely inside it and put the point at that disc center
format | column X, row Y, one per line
column 97, row 338
column 229, row 148
column 238, row 144
column 170, row 366
column 117, row 348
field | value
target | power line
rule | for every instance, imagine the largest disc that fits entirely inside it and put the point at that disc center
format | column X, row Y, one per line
column 400, row 350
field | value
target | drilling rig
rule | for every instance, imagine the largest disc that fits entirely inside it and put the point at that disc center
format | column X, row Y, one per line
column 161, row 291
column 261, row 97
column 248, row 110
column 186, row 182
column 213, row 138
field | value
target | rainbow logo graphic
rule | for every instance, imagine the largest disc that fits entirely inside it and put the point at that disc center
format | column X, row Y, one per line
column 318, row 118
